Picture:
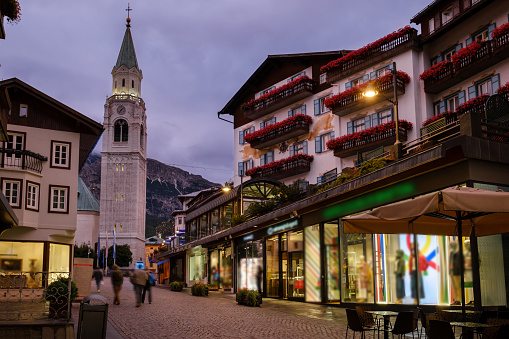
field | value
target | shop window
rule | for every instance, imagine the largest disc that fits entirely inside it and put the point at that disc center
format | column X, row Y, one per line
column 313, row 279
column 59, row 260
column 332, row 260
column 59, row 199
column 12, row 191
column 272, row 266
column 32, row 199
column 226, row 268
column 250, row 265
column 61, row 154
column 297, row 110
column 23, row 257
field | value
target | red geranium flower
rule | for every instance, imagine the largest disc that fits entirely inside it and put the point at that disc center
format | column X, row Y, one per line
column 278, row 126
column 277, row 165
column 435, row 70
column 500, row 31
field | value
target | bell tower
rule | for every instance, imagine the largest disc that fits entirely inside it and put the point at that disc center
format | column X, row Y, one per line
column 124, row 156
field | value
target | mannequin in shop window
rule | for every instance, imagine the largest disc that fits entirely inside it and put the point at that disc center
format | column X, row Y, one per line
column 422, row 267
column 468, row 271
column 362, row 280
column 400, row 276
column 455, row 273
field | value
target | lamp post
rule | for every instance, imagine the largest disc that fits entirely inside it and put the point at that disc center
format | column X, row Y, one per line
column 370, row 92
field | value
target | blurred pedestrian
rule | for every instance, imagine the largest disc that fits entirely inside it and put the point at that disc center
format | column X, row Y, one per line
column 138, row 278
column 151, row 281
column 117, row 279
column 98, row 276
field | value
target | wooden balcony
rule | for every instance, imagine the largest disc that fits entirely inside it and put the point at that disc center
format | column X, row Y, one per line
column 369, row 142
column 280, row 100
column 289, row 169
column 281, row 134
column 21, row 159
column 376, row 56
column 358, row 101
column 491, row 52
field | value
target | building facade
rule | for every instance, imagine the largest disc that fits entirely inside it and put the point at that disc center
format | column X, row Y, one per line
column 124, row 155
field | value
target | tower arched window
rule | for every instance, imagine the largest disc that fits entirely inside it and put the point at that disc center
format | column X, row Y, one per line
column 121, row 131
column 132, row 83
column 141, row 136
column 123, row 82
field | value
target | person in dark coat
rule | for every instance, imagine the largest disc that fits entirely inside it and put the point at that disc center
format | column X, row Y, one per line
column 151, row 281
column 117, row 279
column 98, row 276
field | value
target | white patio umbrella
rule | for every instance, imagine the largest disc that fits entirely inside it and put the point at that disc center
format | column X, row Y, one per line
column 452, row 211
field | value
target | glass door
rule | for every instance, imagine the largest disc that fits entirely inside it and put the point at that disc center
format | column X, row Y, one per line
column 295, row 275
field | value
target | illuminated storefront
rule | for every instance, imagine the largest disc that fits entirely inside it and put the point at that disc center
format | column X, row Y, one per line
column 220, row 268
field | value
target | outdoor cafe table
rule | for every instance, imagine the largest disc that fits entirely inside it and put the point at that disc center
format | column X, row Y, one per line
column 469, row 313
column 469, row 327
column 386, row 315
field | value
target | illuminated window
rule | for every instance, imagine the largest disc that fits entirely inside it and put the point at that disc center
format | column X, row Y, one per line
column 123, row 167
column 121, row 197
column 116, row 196
column 116, row 167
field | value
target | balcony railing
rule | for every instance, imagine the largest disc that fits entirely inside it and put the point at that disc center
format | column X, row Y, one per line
column 285, row 170
column 281, row 134
column 358, row 101
column 375, row 56
column 280, row 100
column 491, row 52
column 369, row 142
column 21, row 159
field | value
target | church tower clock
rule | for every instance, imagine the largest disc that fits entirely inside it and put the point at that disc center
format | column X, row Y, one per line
column 124, row 156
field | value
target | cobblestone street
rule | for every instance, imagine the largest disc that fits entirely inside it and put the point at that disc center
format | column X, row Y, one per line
column 181, row 315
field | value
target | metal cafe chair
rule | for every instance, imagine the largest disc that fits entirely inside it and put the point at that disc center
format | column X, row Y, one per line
column 355, row 323
column 439, row 329
column 405, row 323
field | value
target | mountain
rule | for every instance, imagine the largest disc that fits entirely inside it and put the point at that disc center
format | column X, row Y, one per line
column 164, row 184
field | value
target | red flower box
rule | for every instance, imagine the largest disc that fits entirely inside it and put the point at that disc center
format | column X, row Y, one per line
column 504, row 89
column 435, row 70
column 472, row 104
column 500, row 31
column 467, row 52
column 278, row 165
column 264, row 132
column 446, row 114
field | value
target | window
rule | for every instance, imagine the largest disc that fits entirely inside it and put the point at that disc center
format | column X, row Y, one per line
column 357, row 82
column 297, row 110
column 60, row 154
column 267, row 122
column 358, row 125
column 115, row 83
column 245, row 132
column 320, row 107
column 482, row 34
column 116, row 167
column 121, row 197
column 383, row 71
column 327, row 177
column 321, row 142
column 484, row 87
column 123, row 82
column 132, row 83
column 487, row 85
column 267, row 90
column 447, row 15
column 448, row 55
column 23, row 110
column 121, row 131
column 431, row 25
column 244, row 166
column 298, row 75
column 381, row 117
column 360, row 80
column 59, row 199
column 123, row 167
column 116, row 196
column 267, row 158
column 299, row 148
column 323, row 78
column 16, row 142
column 12, row 191
column 180, row 220
column 32, row 202
column 436, row 108
column 452, row 103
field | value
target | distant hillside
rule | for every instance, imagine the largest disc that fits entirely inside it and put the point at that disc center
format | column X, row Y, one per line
column 164, row 184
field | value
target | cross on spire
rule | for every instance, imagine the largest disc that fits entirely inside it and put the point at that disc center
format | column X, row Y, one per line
column 128, row 9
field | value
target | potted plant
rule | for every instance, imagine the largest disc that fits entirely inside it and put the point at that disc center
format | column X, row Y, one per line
column 248, row 297
column 176, row 286
column 200, row 290
column 57, row 294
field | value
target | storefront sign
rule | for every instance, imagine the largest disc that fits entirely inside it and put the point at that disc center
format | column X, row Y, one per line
column 284, row 226
column 248, row 237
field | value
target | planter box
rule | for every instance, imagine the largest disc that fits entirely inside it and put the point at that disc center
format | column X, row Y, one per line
column 244, row 300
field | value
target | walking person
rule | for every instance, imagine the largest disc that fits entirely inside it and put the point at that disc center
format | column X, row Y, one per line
column 151, row 281
column 117, row 279
column 98, row 276
column 138, row 278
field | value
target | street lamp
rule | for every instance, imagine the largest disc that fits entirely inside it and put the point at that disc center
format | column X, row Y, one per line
column 371, row 92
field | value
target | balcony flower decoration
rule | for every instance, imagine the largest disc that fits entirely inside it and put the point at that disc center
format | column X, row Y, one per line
column 472, row 104
column 435, row 70
column 366, row 50
column 445, row 114
column 503, row 89
column 11, row 10
column 278, row 126
column 500, row 31
column 373, row 131
column 277, row 165
column 467, row 52
column 253, row 102
column 358, row 90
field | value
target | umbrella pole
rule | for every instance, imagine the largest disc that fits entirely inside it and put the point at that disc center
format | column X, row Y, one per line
column 474, row 250
column 462, row 265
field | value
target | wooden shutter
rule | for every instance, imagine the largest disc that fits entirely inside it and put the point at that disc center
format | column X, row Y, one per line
column 469, row 41
column 241, row 137
column 318, row 144
column 367, row 122
column 262, row 124
column 495, row 83
column 348, row 85
column 317, row 106
column 372, row 75
column 319, row 180
column 270, row 157
column 273, row 120
column 290, row 113
column 241, row 168
column 305, row 147
column 251, row 129
column 458, row 47
column 365, row 78
column 461, row 97
column 442, row 106
column 490, row 29
column 374, row 119
column 303, row 109
column 472, row 92
column 349, row 127
column 332, row 135
column 291, row 149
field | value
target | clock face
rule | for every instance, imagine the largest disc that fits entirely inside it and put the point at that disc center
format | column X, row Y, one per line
column 121, row 109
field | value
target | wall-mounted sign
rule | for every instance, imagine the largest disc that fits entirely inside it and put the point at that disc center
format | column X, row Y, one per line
column 283, row 226
column 248, row 237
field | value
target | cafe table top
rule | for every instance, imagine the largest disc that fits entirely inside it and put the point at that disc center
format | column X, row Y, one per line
column 383, row 313
column 459, row 311
column 469, row 324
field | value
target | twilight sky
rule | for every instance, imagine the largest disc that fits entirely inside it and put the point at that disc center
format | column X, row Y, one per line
column 194, row 55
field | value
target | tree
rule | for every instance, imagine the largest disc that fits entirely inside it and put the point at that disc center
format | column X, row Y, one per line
column 124, row 256
column 166, row 228
column 82, row 251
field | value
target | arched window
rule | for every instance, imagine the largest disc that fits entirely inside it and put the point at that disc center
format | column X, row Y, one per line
column 123, row 82
column 141, row 136
column 121, row 131
column 132, row 83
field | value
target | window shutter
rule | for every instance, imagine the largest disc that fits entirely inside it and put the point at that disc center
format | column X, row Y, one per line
column 250, row 163
column 469, row 41
column 372, row 75
column 251, row 129
column 349, row 127
column 391, row 66
column 303, row 109
column 319, row 180
column 270, row 157
column 392, row 113
column 490, row 29
column 332, row 135
column 241, row 168
column 442, row 106
column 241, row 137
column 290, row 113
column 472, row 92
column 318, row 145
column 348, row 85
column 461, row 97
column 262, row 159
column 292, row 149
column 440, row 58
column 262, row 124
column 365, row 78
column 374, row 119
column 305, row 148
column 458, row 47
column 273, row 120
column 367, row 122
column 495, row 83
column 317, row 106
